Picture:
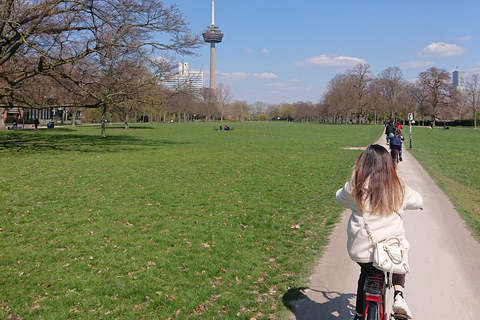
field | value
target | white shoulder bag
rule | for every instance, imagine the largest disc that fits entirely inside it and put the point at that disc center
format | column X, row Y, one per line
column 389, row 255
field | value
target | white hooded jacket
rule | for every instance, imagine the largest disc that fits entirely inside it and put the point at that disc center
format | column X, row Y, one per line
column 358, row 244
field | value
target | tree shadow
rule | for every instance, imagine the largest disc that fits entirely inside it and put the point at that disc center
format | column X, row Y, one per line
column 64, row 141
column 336, row 305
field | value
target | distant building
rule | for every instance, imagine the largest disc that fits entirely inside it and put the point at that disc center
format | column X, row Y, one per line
column 459, row 79
column 184, row 79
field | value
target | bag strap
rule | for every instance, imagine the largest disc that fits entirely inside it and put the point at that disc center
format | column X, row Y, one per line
column 369, row 233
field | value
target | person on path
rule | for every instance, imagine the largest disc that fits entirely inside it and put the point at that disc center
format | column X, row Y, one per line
column 389, row 128
column 35, row 122
column 375, row 191
column 396, row 143
column 399, row 127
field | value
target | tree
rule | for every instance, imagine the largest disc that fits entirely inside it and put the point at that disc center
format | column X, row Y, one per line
column 259, row 107
column 273, row 112
column 360, row 77
column 287, row 112
column 473, row 94
column 209, row 105
column 240, row 109
column 418, row 93
column 340, row 98
column 42, row 37
column 438, row 87
column 376, row 100
column 304, row 110
column 391, row 87
column 224, row 96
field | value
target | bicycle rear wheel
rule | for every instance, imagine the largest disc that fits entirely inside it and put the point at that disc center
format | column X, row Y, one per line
column 373, row 311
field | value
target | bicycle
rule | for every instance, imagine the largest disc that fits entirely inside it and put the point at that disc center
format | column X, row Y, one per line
column 395, row 156
column 378, row 294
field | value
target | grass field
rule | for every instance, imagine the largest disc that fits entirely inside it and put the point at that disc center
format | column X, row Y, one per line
column 451, row 158
column 168, row 221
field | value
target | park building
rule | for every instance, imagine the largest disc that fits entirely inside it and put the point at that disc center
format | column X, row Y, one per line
column 185, row 79
column 29, row 114
column 459, row 79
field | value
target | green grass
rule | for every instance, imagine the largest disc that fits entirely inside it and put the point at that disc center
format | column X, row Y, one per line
column 167, row 221
column 451, row 158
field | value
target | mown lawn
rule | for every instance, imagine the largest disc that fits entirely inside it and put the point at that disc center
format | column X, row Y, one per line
column 167, row 221
column 451, row 158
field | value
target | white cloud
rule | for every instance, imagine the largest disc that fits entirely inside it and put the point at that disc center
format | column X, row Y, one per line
column 248, row 50
column 266, row 75
column 442, row 50
column 287, row 87
column 328, row 61
column 277, row 86
column 265, row 51
column 416, row 64
column 234, row 76
column 465, row 38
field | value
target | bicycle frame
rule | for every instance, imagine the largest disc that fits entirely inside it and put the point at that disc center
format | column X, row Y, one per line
column 379, row 302
column 374, row 296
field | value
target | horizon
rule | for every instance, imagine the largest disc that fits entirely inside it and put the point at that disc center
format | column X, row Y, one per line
column 281, row 52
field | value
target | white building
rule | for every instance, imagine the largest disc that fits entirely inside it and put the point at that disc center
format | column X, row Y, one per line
column 459, row 79
column 185, row 78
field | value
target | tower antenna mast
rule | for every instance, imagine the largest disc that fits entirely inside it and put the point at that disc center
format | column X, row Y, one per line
column 213, row 12
column 212, row 35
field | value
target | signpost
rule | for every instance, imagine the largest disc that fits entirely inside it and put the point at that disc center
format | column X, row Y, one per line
column 410, row 121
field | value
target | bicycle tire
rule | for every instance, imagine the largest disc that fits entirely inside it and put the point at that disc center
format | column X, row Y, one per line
column 396, row 156
column 373, row 311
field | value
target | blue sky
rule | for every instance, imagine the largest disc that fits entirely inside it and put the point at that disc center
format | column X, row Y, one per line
column 286, row 51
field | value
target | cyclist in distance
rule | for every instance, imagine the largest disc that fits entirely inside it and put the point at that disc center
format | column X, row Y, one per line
column 376, row 192
column 396, row 143
column 389, row 128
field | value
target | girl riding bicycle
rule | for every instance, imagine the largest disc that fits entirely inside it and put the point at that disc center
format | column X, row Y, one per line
column 377, row 192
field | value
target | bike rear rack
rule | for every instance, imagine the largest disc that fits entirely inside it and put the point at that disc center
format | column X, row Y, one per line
column 374, row 287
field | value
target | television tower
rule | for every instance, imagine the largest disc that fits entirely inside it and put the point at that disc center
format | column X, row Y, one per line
column 212, row 35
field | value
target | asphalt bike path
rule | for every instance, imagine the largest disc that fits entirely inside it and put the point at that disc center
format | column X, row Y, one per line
column 444, row 258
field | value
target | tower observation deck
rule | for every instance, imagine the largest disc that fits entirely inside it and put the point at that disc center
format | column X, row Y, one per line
column 212, row 35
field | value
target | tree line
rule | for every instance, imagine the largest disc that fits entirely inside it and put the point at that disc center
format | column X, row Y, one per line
column 358, row 96
column 107, row 58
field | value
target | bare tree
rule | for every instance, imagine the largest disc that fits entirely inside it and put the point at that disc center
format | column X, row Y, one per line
column 208, row 106
column 240, row 110
column 273, row 112
column 39, row 37
column 340, row 98
column 224, row 97
column 378, row 105
column 473, row 94
column 304, row 111
column 391, row 87
column 439, row 88
column 360, row 77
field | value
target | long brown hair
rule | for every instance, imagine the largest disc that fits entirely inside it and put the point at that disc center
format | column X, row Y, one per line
column 375, row 185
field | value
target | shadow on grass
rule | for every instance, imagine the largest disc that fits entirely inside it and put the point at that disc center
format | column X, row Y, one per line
column 336, row 305
column 64, row 141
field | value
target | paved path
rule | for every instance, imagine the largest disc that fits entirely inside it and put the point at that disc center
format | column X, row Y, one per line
column 444, row 257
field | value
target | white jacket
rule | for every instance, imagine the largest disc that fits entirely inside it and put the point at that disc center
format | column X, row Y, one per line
column 358, row 244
